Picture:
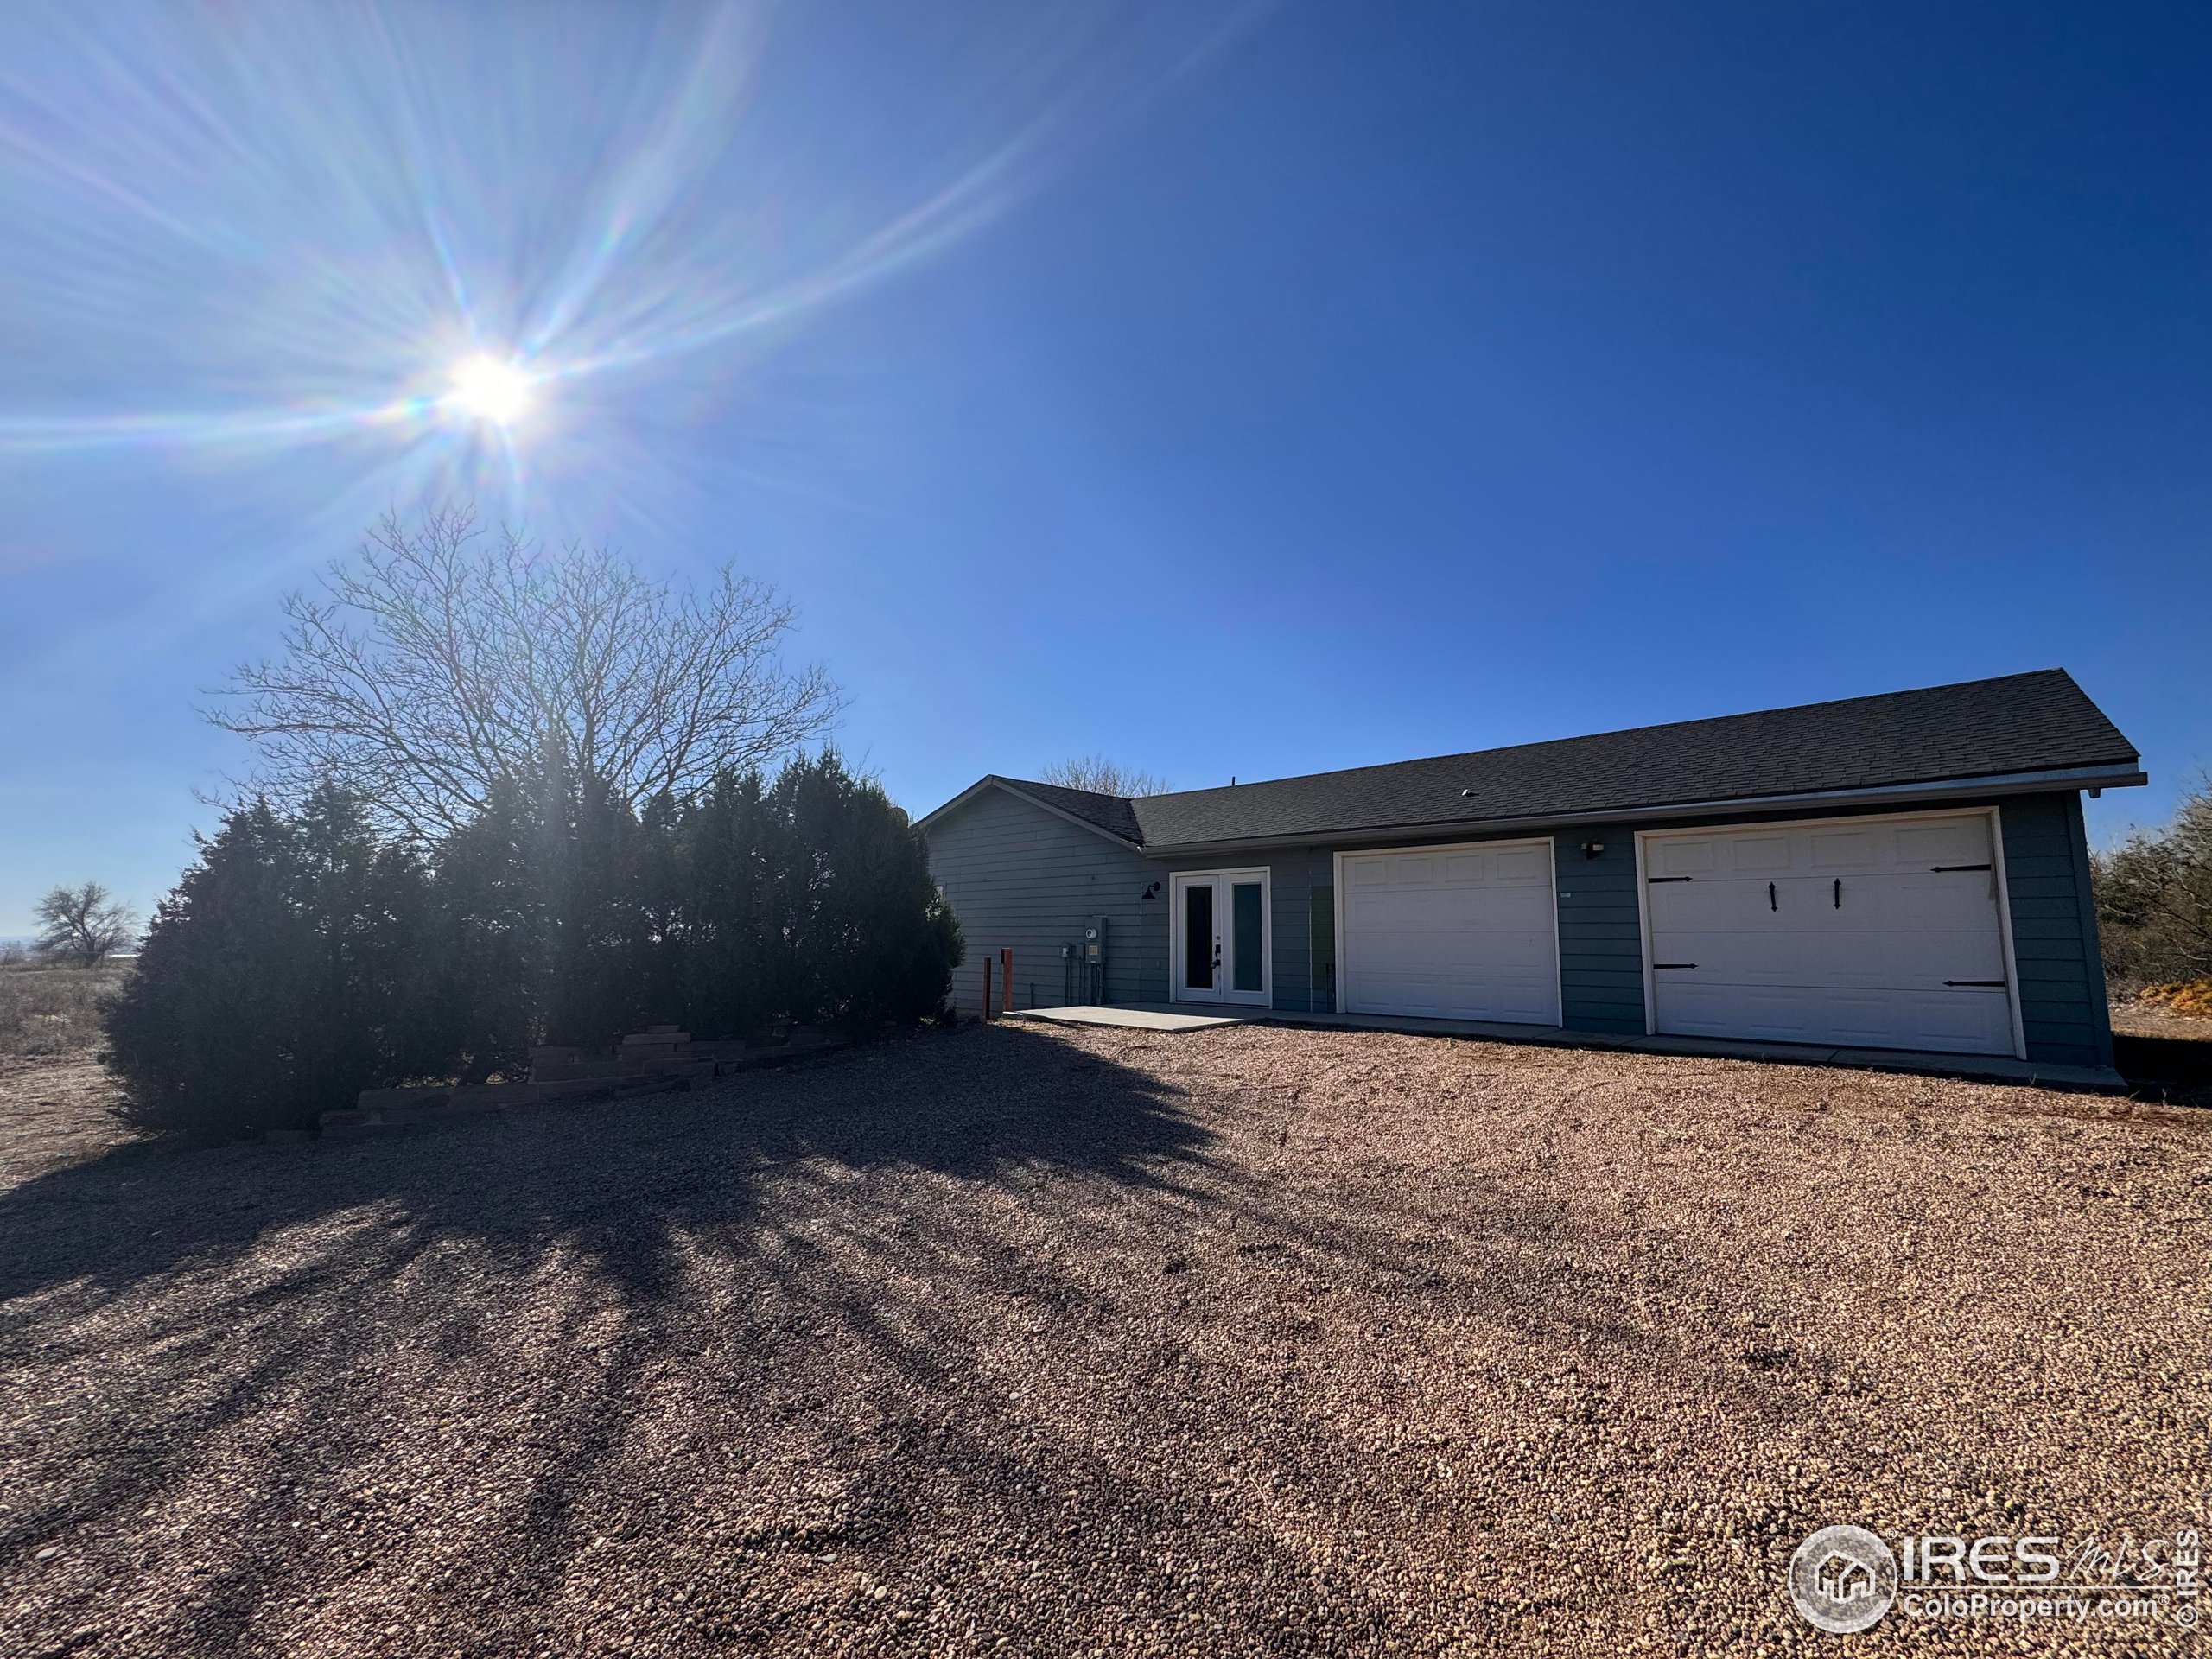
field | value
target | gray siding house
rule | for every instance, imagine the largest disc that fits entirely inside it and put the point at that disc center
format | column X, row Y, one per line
column 1903, row 872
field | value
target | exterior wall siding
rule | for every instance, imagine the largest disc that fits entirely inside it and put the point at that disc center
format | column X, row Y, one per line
column 1600, row 931
column 2064, row 1015
column 1018, row 875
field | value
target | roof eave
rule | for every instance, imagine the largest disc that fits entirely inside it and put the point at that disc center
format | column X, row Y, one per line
column 940, row 814
column 2116, row 776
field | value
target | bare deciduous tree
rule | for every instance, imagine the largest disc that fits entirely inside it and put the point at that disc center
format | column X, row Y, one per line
column 444, row 659
column 85, row 925
column 1102, row 777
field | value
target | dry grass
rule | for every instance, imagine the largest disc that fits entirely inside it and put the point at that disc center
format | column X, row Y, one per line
column 2142, row 1017
column 1022, row 1342
column 2189, row 998
column 55, row 1110
column 54, row 1097
column 53, row 1011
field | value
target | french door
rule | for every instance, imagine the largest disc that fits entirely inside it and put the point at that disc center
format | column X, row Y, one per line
column 1220, row 938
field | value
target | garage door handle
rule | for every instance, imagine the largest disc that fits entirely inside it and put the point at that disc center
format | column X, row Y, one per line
column 1998, row 984
column 1770, row 903
column 1674, row 964
column 1940, row 869
column 1839, row 892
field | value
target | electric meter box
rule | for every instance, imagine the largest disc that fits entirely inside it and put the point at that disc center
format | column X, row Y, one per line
column 1090, row 960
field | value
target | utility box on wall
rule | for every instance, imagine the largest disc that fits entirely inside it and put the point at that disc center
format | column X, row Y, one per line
column 1090, row 965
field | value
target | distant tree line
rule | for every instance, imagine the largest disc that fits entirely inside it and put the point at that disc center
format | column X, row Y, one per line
column 2154, row 897
column 513, row 799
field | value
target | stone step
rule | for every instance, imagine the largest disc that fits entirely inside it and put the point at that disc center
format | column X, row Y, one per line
column 534, row 1092
column 374, row 1100
column 572, row 1071
column 400, row 1108
column 681, row 1065
column 369, row 1131
column 761, row 1059
column 385, row 1112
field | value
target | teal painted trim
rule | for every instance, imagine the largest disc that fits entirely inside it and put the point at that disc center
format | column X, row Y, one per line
column 2092, row 947
column 1600, row 931
column 2059, row 971
column 1321, row 952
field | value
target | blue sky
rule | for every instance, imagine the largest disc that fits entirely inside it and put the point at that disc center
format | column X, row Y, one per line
column 1243, row 390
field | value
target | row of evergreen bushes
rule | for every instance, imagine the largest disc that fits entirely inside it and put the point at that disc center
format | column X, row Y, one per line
column 303, row 957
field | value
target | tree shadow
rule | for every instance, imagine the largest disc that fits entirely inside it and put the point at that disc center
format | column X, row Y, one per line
column 611, row 1180
column 286, row 1361
column 956, row 1338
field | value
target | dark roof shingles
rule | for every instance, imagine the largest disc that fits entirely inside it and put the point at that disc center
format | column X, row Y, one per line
column 1111, row 813
column 2022, row 723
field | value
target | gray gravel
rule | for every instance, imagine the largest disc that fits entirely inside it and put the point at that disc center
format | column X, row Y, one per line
column 1020, row 1341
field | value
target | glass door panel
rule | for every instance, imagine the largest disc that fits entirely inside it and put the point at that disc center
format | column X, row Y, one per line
column 1219, row 920
column 1248, row 959
column 1198, row 942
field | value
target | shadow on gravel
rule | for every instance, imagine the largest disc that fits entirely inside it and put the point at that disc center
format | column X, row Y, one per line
column 260, row 1393
column 958, row 1339
column 613, row 1180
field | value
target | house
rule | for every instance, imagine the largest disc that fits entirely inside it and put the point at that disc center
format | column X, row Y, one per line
column 1845, row 1579
column 1901, row 872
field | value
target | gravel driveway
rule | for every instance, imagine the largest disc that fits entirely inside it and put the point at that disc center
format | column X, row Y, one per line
column 1018, row 1341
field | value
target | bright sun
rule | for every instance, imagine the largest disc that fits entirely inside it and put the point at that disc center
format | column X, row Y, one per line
column 490, row 389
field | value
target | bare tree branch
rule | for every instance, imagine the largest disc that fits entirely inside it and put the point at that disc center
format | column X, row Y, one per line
column 1102, row 777
column 85, row 925
column 442, row 658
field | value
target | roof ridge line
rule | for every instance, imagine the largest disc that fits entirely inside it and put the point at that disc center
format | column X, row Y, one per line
column 1592, row 737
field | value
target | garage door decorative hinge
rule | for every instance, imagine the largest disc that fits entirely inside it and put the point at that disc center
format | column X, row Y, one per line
column 1674, row 964
column 1940, row 869
column 1997, row 984
column 1653, row 880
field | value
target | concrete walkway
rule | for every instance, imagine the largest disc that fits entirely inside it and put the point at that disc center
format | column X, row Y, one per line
column 1134, row 1019
column 1985, row 1067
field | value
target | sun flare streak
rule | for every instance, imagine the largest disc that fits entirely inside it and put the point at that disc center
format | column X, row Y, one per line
column 211, row 428
column 308, row 230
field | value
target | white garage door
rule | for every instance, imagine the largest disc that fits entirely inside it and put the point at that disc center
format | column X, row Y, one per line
column 1451, row 932
column 1869, row 933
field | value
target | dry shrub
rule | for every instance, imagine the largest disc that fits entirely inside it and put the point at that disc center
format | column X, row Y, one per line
column 46, row 1010
column 2191, row 998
